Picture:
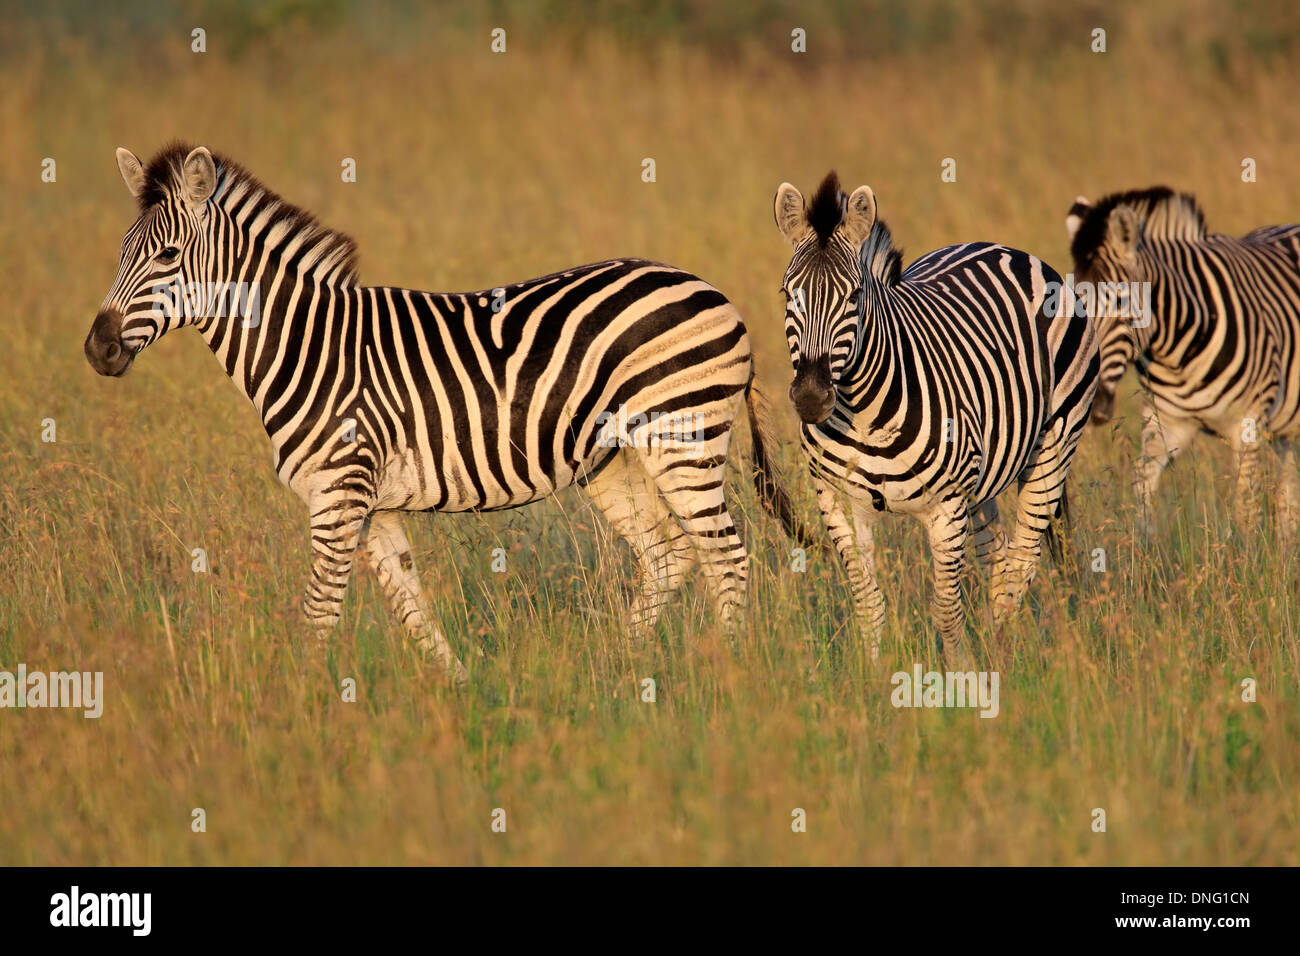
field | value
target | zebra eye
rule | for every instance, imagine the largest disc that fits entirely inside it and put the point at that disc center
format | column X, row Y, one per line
column 168, row 255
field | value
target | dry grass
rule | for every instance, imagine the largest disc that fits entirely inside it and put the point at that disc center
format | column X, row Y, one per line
column 476, row 169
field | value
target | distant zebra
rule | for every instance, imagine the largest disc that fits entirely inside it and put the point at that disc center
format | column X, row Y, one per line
column 927, row 391
column 382, row 400
column 1219, row 350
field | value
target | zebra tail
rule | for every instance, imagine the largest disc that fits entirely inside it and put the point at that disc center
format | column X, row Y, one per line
column 772, row 494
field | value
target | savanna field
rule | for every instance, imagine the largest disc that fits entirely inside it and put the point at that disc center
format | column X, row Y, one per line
column 1120, row 688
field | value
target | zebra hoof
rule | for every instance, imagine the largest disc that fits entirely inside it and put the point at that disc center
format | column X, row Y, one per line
column 440, row 651
column 640, row 636
column 958, row 657
column 455, row 671
column 1144, row 525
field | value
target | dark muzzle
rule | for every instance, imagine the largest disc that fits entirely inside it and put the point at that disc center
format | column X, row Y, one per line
column 812, row 392
column 104, row 349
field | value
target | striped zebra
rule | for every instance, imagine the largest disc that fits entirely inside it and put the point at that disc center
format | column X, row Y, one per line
column 623, row 377
column 1216, row 346
column 927, row 391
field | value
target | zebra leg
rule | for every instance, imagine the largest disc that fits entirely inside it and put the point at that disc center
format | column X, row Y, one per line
column 1162, row 439
column 990, row 542
column 855, row 543
column 389, row 553
column 690, row 478
column 948, row 528
column 336, row 530
column 1246, row 503
column 1037, row 505
column 631, row 504
column 1288, row 505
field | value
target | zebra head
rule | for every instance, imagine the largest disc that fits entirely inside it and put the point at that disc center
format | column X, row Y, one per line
column 822, row 287
column 166, row 257
column 1104, row 243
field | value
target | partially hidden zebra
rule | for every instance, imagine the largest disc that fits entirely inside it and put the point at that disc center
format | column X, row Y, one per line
column 928, row 391
column 1215, row 335
column 623, row 377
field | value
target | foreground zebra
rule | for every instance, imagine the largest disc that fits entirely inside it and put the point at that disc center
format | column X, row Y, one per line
column 928, row 391
column 1219, row 348
column 623, row 377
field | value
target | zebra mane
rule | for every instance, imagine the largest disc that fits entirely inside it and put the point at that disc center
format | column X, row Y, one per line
column 1161, row 214
column 325, row 246
column 880, row 257
column 826, row 211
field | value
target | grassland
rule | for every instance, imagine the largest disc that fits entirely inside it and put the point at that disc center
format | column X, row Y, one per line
column 474, row 169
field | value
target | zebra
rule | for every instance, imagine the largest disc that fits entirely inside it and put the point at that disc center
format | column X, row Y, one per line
column 926, row 392
column 1216, row 346
column 622, row 377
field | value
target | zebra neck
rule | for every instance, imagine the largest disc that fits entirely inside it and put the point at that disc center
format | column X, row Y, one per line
column 280, row 354
column 289, row 274
column 873, row 366
column 1175, row 308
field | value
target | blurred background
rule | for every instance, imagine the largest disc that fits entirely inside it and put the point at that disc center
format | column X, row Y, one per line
column 475, row 168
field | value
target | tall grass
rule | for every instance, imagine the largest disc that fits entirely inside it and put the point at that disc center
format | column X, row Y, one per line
column 476, row 169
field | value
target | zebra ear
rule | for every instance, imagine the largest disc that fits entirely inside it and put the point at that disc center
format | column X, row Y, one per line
column 791, row 214
column 199, row 173
column 132, row 170
column 1078, row 212
column 860, row 215
column 1123, row 229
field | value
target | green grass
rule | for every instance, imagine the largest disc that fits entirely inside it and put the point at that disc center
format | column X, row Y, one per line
column 473, row 170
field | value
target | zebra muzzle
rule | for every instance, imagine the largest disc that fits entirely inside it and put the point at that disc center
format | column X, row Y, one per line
column 813, row 392
column 104, row 349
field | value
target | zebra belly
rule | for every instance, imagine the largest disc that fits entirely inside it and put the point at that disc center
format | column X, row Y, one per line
column 1221, row 414
column 1284, row 417
column 409, row 484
